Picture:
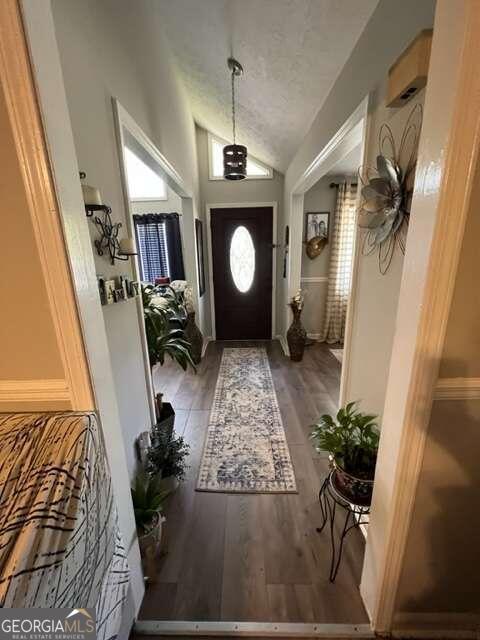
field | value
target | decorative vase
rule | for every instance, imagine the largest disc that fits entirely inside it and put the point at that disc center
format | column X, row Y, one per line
column 170, row 484
column 194, row 336
column 166, row 418
column 150, row 545
column 355, row 490
column 296, row 336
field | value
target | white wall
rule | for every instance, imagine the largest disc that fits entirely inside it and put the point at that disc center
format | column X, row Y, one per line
column 173, row 204
column 391, row 28
column 102, row 57
column 224, row 191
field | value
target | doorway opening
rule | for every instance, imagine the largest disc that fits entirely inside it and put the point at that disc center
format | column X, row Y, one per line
column 160, row 216
column 253, row 561
column 333, row 280
column 330, row 207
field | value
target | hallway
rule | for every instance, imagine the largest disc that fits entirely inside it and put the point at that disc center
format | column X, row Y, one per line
column 254, row 557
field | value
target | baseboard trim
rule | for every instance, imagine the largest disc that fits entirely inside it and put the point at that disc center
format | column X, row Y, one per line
column 284, row 345
column 461, row 626
column 253, row 629
column 206, row 342
column 434, row 634
column 55, row 390
column 457, row 389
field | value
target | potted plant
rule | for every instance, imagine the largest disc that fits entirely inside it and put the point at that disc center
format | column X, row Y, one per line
column 351, row 438
column 148, row 496
column 165, row 316
column 166, row 457
column 193, row 335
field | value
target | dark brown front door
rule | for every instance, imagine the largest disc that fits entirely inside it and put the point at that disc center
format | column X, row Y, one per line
column 242, row 272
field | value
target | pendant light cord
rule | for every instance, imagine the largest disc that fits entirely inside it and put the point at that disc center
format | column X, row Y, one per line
column 233, row 106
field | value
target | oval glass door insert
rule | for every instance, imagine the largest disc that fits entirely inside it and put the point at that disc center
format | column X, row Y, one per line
column 242, row 259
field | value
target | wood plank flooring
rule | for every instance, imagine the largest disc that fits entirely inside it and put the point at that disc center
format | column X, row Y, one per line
column 257, row 558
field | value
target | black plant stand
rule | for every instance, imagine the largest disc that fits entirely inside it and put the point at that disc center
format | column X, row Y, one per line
column 330, row 502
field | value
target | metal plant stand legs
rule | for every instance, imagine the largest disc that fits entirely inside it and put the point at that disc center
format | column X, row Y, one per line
column 331, row 502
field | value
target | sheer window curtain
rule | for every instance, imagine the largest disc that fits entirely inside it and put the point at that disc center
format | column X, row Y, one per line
column 341, row 256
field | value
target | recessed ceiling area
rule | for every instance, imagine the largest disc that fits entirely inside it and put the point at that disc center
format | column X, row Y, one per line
column 291, row 50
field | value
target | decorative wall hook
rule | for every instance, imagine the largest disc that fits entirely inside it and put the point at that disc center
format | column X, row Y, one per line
column 108, row 240
column 108, row 230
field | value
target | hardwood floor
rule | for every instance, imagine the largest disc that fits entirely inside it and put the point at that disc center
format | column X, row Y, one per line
column 241, row 557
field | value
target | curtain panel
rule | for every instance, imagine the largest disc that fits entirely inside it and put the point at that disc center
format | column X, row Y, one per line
column 159, row 245
column 340, row 270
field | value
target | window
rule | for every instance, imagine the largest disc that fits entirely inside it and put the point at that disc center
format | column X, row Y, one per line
column 143, row 182
column 255, row 169
column 242, row 259
column 159, row 246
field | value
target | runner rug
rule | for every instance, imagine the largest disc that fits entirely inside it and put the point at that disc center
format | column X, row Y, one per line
column 246, row 449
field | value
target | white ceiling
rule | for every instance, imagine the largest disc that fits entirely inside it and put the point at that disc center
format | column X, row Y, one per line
column 292, row 52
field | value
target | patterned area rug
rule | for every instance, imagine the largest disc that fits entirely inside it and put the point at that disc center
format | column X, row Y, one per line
column 246, row 450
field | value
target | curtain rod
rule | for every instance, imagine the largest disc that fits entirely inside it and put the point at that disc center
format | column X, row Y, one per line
column 335, row 185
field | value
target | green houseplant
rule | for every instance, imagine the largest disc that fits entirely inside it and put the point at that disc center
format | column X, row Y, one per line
column 351, row 438
column 166, row 457
column 165, row 315
column 148, row 496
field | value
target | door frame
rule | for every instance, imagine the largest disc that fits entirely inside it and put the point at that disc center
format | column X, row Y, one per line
column 123, row 120
column 241, row 205
column 352, row 133
column 38, row 28
column 443, row 185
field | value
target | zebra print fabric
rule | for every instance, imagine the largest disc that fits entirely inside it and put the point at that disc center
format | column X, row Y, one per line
column 59, row 540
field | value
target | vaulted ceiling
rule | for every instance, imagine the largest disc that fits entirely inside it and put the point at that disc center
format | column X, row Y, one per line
column 291, row 50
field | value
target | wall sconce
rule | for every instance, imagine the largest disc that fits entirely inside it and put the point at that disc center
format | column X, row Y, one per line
column 108, row 230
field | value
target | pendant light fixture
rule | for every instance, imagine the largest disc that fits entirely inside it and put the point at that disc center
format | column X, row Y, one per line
column 234, row 155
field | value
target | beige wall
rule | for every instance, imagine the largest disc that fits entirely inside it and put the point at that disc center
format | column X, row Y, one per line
column 224, row 191
column 103, row 57
column 319, row 198
column 442, row 547
column 461, row 356
column 28, row 344
column 315, row 272
column 375, row 302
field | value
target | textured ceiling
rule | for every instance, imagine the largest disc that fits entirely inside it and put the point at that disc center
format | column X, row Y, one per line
column 292, row 52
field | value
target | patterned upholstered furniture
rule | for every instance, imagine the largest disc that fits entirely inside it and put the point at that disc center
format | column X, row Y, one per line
column 59, row 540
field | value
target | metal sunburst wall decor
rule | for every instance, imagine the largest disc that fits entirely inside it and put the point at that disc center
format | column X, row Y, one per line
column 387, row 191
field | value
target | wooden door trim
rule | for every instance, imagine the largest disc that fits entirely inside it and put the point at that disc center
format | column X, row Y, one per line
column 241, row 205
column 40, row 31
column 19, row 89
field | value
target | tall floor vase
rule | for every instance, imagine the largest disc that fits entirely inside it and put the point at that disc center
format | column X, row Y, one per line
column 296, row 336
column 194, row 337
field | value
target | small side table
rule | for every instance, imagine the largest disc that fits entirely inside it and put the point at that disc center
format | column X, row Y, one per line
column 331, row 502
